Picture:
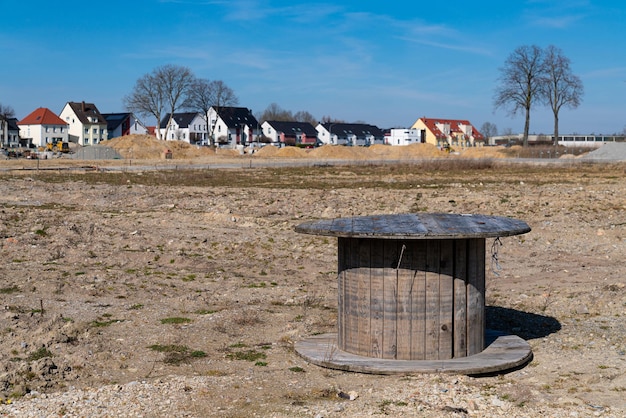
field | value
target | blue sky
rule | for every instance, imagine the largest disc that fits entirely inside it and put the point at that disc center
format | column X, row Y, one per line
column 384, row 63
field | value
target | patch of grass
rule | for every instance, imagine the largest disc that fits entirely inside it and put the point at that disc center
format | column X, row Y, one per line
column 238, row 345
column 170, row 348
column 9, row 290
column 136, row 306
column 189, row 278
column 257, row 285
column 261, row 363
column 296, row 369
column 39, row 354
column 177, row 354
column 248, row 355
column 204, row 311
column 42, row 232
column 175, row 320
column 102, row 324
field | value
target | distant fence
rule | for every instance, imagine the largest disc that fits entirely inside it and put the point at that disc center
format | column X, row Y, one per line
column 96, row 152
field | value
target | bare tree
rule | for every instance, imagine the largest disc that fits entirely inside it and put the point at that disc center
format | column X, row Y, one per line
column 489, row 130
column 274, row 112
column 6, row 111
column 204, row 94
column 559, row 86
column 165, row 89
column 224, row 95
column 520, row 83
column 304, row 116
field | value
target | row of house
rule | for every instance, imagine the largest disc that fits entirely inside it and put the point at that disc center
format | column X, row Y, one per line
column 83, row 124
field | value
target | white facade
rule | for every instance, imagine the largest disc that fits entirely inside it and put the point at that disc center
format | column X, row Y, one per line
column 40, row 135
column 326, row 136
column 89, row 133
column 271, row 133
column 403, row 137
column 195, row 132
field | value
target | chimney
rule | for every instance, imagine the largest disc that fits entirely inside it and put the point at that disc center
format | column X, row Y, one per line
column 83, row 106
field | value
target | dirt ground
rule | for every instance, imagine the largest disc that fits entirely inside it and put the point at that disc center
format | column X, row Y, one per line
column 115, row 277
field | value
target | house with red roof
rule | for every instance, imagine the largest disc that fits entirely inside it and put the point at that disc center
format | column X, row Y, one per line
column 42, row 127
column 449, row 132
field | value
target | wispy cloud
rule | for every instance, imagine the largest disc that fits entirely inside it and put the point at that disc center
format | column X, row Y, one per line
column 556, row 14
column 606, row 73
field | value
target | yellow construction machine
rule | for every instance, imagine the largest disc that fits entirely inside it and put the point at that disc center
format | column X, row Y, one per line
column 58, row 146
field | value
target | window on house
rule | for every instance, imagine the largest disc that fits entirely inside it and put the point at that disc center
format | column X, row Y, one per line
column 86, row 131
column 54, row 129
column 95, row 131
column 47, row 129
column 86, row 141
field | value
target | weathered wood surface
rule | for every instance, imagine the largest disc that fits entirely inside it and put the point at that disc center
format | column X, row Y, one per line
column 417, row 226
column 411, row 300
column 506, row 352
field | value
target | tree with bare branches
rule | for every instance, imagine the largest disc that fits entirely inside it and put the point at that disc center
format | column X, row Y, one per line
column 165, row 89
column 204, row 94
column 560, row 87
column 520, row 83
column 6, row 111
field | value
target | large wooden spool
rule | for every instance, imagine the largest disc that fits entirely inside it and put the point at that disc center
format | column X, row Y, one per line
column 410, row 287
column 411, row 299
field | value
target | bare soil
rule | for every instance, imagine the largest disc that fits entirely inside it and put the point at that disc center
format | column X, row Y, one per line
column 117, row 277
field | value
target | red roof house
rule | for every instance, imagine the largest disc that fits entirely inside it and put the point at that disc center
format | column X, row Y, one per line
column 453, row 132
column 42, row 127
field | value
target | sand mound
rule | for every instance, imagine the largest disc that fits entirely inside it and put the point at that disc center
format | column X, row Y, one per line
column 483, row 152
column 145, row 147
column 291, row 152
column 339, row 152
column 267, row 151
column 413, row 151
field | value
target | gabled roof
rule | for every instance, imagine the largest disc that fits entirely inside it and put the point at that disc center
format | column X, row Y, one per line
column 84, row 111
column 12, row 124
column 361, row 130
column 234, row 117
column 455, row 127
column 293, row 128
column 42, row 116
column 115, row 119
column 182, row 119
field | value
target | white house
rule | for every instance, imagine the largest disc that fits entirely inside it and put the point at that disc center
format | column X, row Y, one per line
column 9, row 132
column 404, row 137
column 87, row 125
column 289, row 133
column 354, row 134
column 43, row 127
column 188, row 127
column 120, row 124
column 232, row 126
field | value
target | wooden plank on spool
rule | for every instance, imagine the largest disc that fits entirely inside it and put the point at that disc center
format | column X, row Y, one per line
column 341, row 273
column 405, row 306
column 363, row 296
column 377, row 306
column 431, row 321
column 418, row 301
column 350, row 308
column 460, row 299
column 476, row 296
column 446, row 289
column 390, row 299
